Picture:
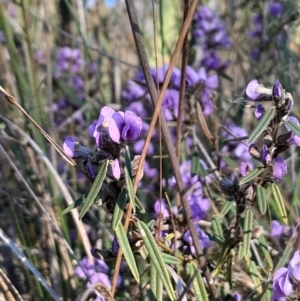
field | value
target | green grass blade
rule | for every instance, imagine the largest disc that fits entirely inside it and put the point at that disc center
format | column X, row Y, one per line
column 124, row 244
column 156, row 258
column 95, row 189
column 119, row 209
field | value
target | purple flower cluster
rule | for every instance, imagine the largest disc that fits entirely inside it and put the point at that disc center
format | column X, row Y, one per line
column 210, row 34
column 258, row 35
column 285, row 279
column 273, row 144
column 111, row 131
column 96, row 271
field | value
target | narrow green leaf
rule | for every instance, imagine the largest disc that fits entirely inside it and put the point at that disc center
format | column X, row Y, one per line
column 229, row 162
column 130, row 189
column 279, row 202
column 294, row 127
column 226, row 208
column 201, row 171
column 170, row 259
column 262, row 125
column 124, row 244
column 261, row 197
column 240, row 251
column 285, row 257
column 77, row 203
column 217, row 229
column 195, row 164
column 264, row 248
column 156, row 258
column 128, row 162
column 156, row 285
column 95, row 189
column 139, row 205
column 248, row 226
column 251, row 175
column 119, row 209
column 198, row 285
column 254, row 274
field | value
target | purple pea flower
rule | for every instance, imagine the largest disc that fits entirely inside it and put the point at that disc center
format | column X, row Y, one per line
column 275, row 9
column 160, row 206
column 259, row 112
column 294, row 139
column 277, row 229
column 294, row 265
column 75, row 150
column 265, row 155
column 123, row 127
column 279, row 168
column 255, row 91
column 282, row 286
column 203, row 237
column 170, row 104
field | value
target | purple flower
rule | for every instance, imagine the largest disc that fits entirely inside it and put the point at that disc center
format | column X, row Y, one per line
column 277, row 229
column 114, row 169
column 254, row 90
column 279, row 168
column 105, row 113
column 294, row 139
column 75, row 150
column 275, row 9
column 265, row 155
column 170, row 104
column 277, row 89
column 259, row 112
column 199, row 206
column 203, row 237
column 133, row 91
column 124, row 126
column 282, row 286
column 294, row 265
column 237, row 297
column 160, row 206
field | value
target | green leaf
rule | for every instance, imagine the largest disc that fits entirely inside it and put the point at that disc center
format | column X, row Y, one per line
column 294, row 127
column 217, row 229
column 261, row 197
column 285, row 257
column 279, row 202
column 252, row 175
column 124, row 244
column 119, row 208
column 254, row 274
column 156, row 258
column 248, row 226
column 95, row 189
column 240, row 251
column 229, row 162
column 226, row 208
column 195, row 164
column 77, row 203
column 139, row 205
column 128, row 162
column 156, row 285
column 198, row 284
column 264, row 247
column 130, row 189
column 170, row 259
column 262, row 125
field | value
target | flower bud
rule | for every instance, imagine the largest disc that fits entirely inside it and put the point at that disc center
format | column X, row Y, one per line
column 277, row 90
